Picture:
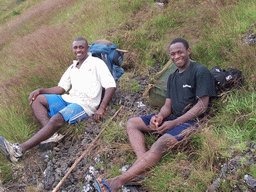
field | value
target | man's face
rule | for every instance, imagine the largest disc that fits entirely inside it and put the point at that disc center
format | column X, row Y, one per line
column 80, row 49
column 180, row 55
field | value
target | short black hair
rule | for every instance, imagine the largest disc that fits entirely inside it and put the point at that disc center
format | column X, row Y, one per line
column 81, row 39
column 180, row 40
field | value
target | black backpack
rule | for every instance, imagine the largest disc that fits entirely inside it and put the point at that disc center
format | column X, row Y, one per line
column 227, row 80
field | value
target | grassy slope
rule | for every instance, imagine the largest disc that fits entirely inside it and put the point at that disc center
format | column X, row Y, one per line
column 33, row 46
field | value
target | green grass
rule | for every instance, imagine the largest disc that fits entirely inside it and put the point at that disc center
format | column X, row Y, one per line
column 128, row 83
column 237, row 118
column 36, row 51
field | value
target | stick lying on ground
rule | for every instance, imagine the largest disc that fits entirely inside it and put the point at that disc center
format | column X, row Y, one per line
column 87, row 151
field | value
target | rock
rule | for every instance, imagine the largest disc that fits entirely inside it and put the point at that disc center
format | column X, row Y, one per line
column 214, row 186
column 250, row 181
column 250, row 37
column 87, row 187
column 125, row 168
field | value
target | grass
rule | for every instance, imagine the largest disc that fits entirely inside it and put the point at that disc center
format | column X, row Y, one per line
column 35, row 51
column 129, row 84
column 239, row 117
column 10, row 9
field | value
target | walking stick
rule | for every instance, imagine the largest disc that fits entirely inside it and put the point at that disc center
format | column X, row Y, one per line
column 88, row 150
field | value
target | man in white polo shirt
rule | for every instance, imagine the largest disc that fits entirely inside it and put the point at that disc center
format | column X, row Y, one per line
column 86, row 77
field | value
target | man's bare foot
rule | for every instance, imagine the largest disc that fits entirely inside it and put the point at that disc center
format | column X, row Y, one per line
column 110, row 184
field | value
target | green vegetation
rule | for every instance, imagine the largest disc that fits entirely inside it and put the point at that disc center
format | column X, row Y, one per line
column 36, row 50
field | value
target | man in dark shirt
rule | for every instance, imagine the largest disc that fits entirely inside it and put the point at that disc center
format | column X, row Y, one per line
column 189, row 90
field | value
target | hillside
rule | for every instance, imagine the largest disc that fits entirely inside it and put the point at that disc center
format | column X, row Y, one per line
column 35, row 50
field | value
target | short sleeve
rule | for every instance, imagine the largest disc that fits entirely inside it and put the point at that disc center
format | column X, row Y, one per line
column 168, row 94
column 105, row 76
column 65, row 81
column 205, row 84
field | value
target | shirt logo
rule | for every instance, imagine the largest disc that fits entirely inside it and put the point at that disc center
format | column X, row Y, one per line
column 184, row 86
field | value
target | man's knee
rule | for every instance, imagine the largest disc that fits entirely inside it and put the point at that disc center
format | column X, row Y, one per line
column 41, row 99
column 57, row 120
column 163, row 144
column 134, row 124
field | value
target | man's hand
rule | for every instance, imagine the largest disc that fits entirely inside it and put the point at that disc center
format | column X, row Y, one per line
column 155, row 122
column 109, row 92
column 165, row 127
column 33, row 95
column 98, row 115
column 53, row 90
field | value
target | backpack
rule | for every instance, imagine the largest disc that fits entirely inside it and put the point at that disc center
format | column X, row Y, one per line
column 108, row 52
column 157, row 87
column 227, row 80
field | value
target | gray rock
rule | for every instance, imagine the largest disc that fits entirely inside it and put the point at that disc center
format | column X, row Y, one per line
column 250, row 181
column 87, row 187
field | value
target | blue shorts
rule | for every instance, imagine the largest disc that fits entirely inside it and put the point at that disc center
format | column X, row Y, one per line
column 175, row 131
column 71, row 112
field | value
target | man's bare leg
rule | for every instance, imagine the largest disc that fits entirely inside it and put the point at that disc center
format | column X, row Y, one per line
column 136, row 128
column 47, row 131
column 40, row 107
column 142, row 164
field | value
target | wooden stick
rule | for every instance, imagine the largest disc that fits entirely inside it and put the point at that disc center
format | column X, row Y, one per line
column 85, row 152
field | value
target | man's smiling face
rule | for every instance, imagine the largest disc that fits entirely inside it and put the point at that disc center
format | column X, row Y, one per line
column 180, row 56
column 80, row 49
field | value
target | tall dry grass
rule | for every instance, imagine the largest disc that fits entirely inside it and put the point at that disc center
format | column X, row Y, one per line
column 37, row 60
column 31, row 19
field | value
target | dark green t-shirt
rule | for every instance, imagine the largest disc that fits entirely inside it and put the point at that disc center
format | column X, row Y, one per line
column 185, row 88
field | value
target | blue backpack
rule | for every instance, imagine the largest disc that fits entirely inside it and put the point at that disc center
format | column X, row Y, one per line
column 108, row 52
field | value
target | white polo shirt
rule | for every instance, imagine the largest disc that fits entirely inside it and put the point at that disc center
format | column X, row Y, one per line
column 86, row 83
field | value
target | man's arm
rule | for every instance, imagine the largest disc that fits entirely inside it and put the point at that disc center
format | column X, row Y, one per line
column 199, row 108
column 53, row 90
column 165, row 111
column 109, row 92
